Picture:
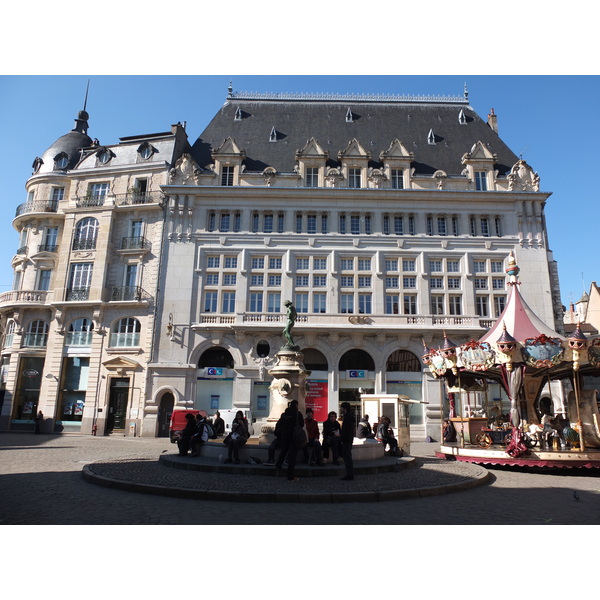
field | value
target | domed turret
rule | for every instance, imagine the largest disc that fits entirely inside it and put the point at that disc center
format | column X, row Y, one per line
column 65, row 153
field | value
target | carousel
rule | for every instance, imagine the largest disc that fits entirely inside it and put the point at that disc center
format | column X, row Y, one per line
column 546, row 414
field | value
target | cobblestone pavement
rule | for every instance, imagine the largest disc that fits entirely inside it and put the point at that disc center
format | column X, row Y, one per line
column 41, row 483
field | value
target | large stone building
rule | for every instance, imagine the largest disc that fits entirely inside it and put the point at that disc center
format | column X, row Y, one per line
column 387, row 221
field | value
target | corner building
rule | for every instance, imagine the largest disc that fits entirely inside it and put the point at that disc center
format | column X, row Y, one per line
column 387, row 221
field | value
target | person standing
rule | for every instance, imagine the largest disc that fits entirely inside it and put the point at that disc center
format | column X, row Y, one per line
column 39, row 419
column 331, row 437
column 348, row 429
column 292, row 418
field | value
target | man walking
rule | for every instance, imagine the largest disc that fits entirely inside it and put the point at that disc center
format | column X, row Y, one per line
column 348, row 429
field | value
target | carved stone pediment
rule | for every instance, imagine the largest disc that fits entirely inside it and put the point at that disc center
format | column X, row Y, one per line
column 312, row 150
column 479, row 153
column 396, row 151
column 228, row 148
column 185, row 171
column 353, row 150
column 121, row 364
column 523, row 178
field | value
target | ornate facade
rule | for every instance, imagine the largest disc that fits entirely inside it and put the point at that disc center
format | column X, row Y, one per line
column 387, row 221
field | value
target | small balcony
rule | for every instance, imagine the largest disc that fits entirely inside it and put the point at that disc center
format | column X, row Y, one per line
column 137, row 198
column 135, row 243
column 77, row 294
column 53, row 248
column 89, row 201
column 128, row 293
column 19, row 297
column 37, row 206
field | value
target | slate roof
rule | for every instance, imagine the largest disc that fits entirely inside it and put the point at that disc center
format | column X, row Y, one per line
column 375, row 124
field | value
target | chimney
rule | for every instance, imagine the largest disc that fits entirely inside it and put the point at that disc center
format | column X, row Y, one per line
column 493, row 121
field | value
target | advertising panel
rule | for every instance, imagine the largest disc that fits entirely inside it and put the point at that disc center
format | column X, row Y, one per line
column 317, row 398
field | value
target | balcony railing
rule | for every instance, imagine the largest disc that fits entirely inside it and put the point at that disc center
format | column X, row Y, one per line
column 138, row 198
column 135, row 243
column 78, row 294
column 24, row 297
column 86, row 201
column 324, row 321
column 37, row 206
column 128, row 293
column 47, row 248
column 84, row 244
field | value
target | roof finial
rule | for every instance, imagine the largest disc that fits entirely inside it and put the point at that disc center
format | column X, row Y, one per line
column 466, row 93
column 87, row 89
column 230, row 89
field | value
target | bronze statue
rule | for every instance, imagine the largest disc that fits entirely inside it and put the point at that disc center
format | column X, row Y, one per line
column 287, row 331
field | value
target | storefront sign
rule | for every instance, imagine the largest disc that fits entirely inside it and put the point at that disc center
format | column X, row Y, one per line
column 317, row 398
column 356, row 374
column 214, row 372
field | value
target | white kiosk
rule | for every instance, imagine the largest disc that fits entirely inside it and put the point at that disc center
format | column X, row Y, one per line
column 397, row 408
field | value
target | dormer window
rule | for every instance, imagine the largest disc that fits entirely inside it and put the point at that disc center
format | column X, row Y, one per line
column 62, row 160
column 37, row 163
column 238, row 114
column 481, row 181
column 273, row 135
column 349, row 116
column 104, row 157
column 462, row 119
column 431, row 138
column 146, row 151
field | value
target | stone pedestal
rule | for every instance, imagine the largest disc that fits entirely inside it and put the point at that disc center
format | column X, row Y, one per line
column 289, row 383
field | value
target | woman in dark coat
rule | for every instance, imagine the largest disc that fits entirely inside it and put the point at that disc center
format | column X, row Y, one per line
column 291, row 418
column 238, row 437
column 331, row 437
column 190, row 429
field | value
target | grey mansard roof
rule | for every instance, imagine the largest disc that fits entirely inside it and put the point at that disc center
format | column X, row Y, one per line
column 375, row 124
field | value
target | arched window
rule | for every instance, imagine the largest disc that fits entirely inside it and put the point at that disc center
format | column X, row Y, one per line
column 216, row 357
column 125, row 333
column 356, row 360
column 314, row 360
column 36, row 334
column 80, row 333
column 403, row 360
column 9, row 334
column 86, row 233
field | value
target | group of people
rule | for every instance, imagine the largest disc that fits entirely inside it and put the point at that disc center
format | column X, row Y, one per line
column 383, row 433
column 195, row 432
column 336, row 437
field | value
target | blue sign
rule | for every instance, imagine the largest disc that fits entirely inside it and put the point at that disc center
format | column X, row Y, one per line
column 356, row 374
column 214, row 371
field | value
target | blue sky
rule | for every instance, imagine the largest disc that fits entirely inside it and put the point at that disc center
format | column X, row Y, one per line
column 552, row 121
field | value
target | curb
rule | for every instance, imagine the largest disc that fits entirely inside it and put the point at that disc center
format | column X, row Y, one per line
column 480, row 476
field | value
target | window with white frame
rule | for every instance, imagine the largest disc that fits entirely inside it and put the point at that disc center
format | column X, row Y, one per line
column 347, row 303
column 36, row 334
column 482, row 306
column 319, row 280
column 364, row 304
column 301, row 302
column 410, row 304
column 354, row 178
column 319, row 302
column 437, row 305
column 319, row 264
column 481, row 182
column 228, row 302
column 86, row 234
column 455, row 305
column 227, row 176
column 397, row 178
column 79, row 333
column 256, row 302
column 125, row 333
column 211, row 300
column 274, row 302
column 43, row 279
column 312, row 177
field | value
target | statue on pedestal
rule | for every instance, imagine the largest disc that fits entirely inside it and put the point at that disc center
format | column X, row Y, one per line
column 287, row 331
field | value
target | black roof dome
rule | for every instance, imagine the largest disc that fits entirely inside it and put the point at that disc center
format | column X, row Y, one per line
column 67, row 147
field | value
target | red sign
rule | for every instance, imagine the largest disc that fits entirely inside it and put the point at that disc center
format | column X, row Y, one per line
column 317, row 398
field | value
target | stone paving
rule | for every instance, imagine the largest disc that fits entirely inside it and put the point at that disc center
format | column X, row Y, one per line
column 41, row 483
